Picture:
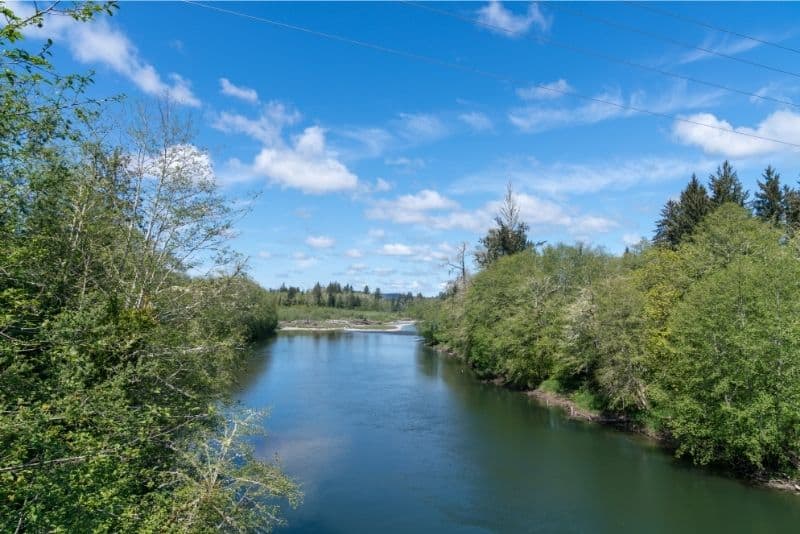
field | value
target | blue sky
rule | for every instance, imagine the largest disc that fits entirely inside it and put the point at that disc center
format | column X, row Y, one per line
column 372, row 167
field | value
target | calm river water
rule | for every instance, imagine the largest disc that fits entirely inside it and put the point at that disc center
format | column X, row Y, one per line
column 385, row 435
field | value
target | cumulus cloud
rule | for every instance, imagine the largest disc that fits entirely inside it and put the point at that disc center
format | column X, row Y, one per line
column 545, row 91
column 431, row 210
column 476, row 120
column 410, row 208
column 267, row 127
column 97, row 42
column 783, row 125
column 307, row 165
column 504, row 21
column 320, row 241
column 242, row 93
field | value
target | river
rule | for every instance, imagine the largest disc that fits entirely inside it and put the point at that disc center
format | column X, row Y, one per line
column 386, row 435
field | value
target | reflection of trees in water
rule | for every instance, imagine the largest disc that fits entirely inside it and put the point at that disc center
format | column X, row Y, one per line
column 255, row 365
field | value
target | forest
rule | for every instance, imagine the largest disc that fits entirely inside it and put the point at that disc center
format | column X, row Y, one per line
column 692, row 337
column 123, row 314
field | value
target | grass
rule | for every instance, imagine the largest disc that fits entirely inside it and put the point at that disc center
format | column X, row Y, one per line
column 550, row 385
column 586, row 400
column 321, row 313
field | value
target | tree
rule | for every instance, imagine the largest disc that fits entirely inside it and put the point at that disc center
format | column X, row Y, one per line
column 678, row 219
column 791, row 208
column 769, row 201
column 377, row 294
column 317, row 294
column 366, row 290
column 510, row 236
column 725, row 186
column 667, row 228
column 458, row 264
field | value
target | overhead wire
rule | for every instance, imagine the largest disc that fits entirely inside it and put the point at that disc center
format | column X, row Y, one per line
column 593, row 53
column 612, row 23
column 649, row 7
column 482, row 72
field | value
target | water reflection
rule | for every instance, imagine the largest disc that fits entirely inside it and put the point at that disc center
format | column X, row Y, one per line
column 387, row 435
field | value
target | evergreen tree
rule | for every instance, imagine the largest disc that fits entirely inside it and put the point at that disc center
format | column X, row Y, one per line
column 667, row 226
column 317, row 294
column 769, row 201
column 791, row 207
column 509, row 237
column 678, row 219
column 725, row 186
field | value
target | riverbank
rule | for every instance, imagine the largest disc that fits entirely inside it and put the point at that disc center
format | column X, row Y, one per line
column 571, row 409
column 342, row 325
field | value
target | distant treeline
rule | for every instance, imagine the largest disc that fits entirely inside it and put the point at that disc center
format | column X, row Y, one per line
column 694, row 336
column 336, row 295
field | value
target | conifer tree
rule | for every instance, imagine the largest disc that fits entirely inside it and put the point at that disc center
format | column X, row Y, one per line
column 667, row 226
column 769, row 199
column 725, row 186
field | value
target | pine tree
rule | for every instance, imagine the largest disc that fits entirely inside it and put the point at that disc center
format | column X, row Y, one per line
column 769, row 200
column 667, row 227
column 508, row 237
column 678, row 219
column 725, row 186
column 791, row 207
column 694, row 206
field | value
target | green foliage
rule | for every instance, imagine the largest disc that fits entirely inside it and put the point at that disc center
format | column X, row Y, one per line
column 114, row 362
column 697, row 341
column 509, row 236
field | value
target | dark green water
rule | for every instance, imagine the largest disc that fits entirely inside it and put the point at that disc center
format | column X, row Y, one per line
column 387, row 436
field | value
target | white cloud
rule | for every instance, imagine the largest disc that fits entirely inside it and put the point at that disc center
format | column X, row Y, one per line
column 504, row 21
column 303, row 260
column 631, row 238
column 264, row 255
column 243, row 93
column 420, row 127
column 357, row 268
column 545, row 91
column 267, row 128
column 307, row 165
column 537, row 118
column 381, row 186
column 376, row 233
column 320, row 241
column 726, row 46
column 783, row 125
column 410, row 208
column 569, row 178
column 406, row 164
column 476, row 120
column 98, row 42
column 353, row 253
column 396, row 249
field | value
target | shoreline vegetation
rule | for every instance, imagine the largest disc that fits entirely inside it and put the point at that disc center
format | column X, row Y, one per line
column 691, row 338
column 123, row 313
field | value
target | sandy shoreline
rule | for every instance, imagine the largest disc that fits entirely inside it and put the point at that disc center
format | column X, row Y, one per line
column 340, row 325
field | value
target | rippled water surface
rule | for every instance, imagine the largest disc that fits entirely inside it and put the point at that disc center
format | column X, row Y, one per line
column 385, row 435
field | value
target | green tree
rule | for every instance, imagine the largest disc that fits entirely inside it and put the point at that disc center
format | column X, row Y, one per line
column 510, row 236
column 769, row 203
column 725, row 186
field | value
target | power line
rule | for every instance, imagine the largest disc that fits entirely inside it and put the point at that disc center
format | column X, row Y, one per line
column 600, row 55
column 696, row 22
column 481, row 72
column 652, row 35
